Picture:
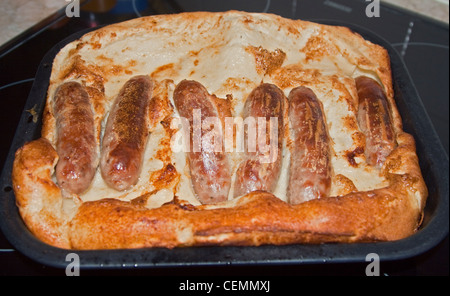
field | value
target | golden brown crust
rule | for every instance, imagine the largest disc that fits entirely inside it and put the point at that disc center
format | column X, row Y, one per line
column 38, row 198
column 389, row 210
column 389, row 213
column 265, row 61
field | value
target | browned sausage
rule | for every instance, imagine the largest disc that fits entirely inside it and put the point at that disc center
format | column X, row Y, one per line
column 266, row 101
column 375, row 121
column 76, row 143
column 310, row 167
column 126, row 134
column 209, row 167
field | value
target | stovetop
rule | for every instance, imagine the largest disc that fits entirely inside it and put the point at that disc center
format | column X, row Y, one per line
column 422, row 43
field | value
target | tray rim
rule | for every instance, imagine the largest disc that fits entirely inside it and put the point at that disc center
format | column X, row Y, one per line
column 426, row 238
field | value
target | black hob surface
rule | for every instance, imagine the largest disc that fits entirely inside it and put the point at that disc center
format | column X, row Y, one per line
column 422, row 43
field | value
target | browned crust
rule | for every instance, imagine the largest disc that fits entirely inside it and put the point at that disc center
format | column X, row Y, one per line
column 266, row 62
column 389, row 213
column 38, row 198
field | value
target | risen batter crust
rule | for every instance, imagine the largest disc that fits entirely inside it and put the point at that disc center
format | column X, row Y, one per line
column 230, row 54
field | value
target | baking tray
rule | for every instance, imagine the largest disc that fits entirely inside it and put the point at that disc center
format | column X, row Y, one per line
column 433, row 161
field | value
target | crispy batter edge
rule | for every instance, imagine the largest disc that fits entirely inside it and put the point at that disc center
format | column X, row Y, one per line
column 389, row 213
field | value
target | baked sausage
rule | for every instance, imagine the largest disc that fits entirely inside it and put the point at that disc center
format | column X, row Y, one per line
column 375, row 121
column 126, row 134
column 265, row 102
column 209, row 167
column 310, row 166
column 76, row 142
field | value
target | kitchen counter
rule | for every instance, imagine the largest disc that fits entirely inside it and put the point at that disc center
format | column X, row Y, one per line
column 16, row 16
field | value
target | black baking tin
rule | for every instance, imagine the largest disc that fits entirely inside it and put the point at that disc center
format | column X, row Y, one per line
column 433, row 162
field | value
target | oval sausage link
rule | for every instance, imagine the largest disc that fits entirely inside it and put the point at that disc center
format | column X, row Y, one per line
column 126, row 134
column 310, row 167
column 259, row 170
column 375, row 121
column 209, row 167
column 76, row 142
